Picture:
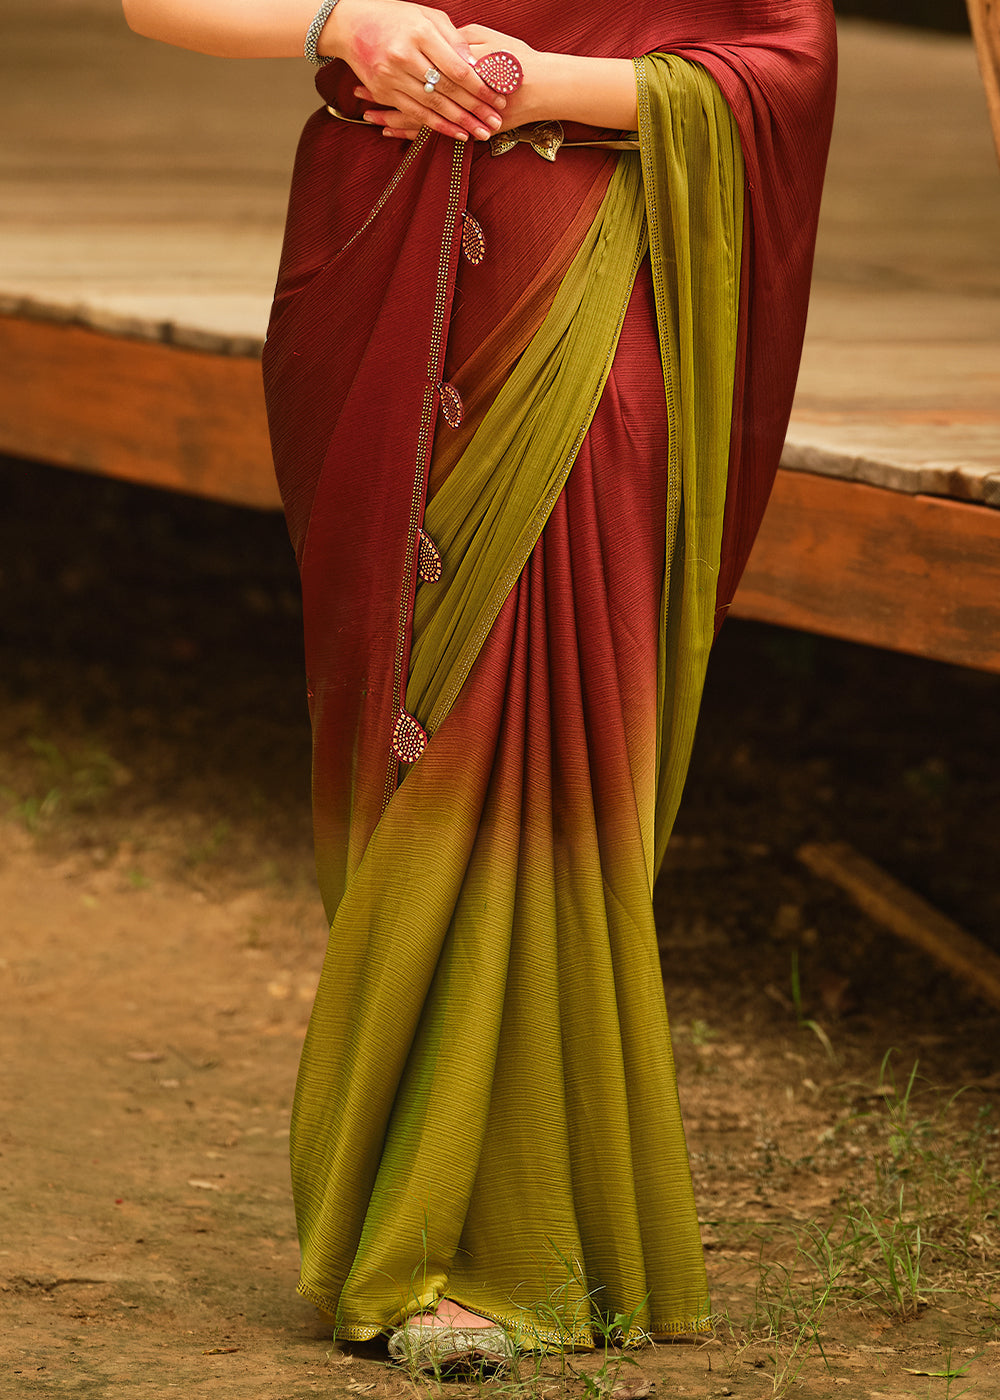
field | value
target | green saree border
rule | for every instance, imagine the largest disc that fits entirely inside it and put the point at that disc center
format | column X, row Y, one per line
column 693, row 175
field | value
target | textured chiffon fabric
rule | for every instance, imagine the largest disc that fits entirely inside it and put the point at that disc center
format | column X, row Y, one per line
column 488, row 1076
column 486, row 1107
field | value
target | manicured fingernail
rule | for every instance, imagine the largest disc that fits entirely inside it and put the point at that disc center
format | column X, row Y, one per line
column 495, row 122
column 368, row 116
column 482, row 133
column 358, row 92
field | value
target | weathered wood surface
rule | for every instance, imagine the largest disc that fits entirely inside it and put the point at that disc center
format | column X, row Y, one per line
column 900, row 378
column 182, row 419
column 984, row 15
column 911, row 573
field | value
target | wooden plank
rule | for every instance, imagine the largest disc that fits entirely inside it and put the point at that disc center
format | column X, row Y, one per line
column 984, row 16
column 907, row 915
column 157, row 414
column 912, row 573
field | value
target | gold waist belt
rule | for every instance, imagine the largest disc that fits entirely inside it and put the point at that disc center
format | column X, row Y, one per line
column 546, row 138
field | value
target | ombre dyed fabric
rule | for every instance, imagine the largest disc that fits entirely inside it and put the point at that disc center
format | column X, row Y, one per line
column 486, row 1107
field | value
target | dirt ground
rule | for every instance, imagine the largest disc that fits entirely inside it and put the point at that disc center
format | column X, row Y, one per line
column 160, row 939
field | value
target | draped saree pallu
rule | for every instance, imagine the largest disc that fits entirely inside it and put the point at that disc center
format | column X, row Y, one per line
column 525, row 413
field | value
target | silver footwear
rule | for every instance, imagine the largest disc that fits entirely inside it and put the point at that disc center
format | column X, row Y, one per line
column 436, row 1348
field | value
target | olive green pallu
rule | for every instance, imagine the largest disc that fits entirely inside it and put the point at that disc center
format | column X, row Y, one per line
column 486, row 1107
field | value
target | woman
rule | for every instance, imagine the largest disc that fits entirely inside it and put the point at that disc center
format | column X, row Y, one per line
column 528, row 372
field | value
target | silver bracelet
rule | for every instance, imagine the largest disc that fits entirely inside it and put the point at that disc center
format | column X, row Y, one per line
column 316, row 29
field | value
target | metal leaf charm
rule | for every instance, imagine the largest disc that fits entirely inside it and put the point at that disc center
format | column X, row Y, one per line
column 500, row 71
column 546, row 138
column 408, row 739
column 503, row 142
column 473, row 242
column 429, row 563
column 451, row 405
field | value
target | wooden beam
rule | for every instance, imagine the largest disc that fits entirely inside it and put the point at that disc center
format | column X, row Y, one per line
column 912, row 573
column 984, row 16
column 136, row 409
column 906, row 915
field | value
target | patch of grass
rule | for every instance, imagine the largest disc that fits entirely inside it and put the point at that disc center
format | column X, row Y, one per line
column 32, row 812
column 702, row 1033
column 58, row 781
column 807, row 1022
column 949, row 1168
column 787, row 1318
column 875, row 1260
column 951, row 1371
column 917, row 1225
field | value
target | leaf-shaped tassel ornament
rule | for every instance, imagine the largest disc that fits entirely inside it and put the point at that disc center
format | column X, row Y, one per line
column 408, row 738
column 429, row 564
column 473, row 242
column 451, row 405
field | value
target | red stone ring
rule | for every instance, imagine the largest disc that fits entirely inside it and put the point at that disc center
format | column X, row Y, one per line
column 501, row 72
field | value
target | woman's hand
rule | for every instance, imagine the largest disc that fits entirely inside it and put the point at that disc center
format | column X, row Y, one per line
column 598, row 92
column 390, row 45
column 476, row 40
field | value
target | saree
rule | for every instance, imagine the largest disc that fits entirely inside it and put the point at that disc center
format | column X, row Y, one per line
column 525, row 414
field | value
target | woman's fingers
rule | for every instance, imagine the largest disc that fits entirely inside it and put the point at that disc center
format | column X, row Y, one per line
column 454, row 103
column 404, row 127
column 414, row 108
column 393, row 124
column 479, row 34
column 434, row 109
column 416, row 69
column 449, row 52
column 459, row 96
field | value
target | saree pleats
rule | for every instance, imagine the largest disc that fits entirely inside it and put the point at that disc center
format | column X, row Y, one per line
column 527, row 1159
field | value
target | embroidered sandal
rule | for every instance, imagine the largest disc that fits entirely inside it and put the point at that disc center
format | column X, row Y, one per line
column 441, row 1346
